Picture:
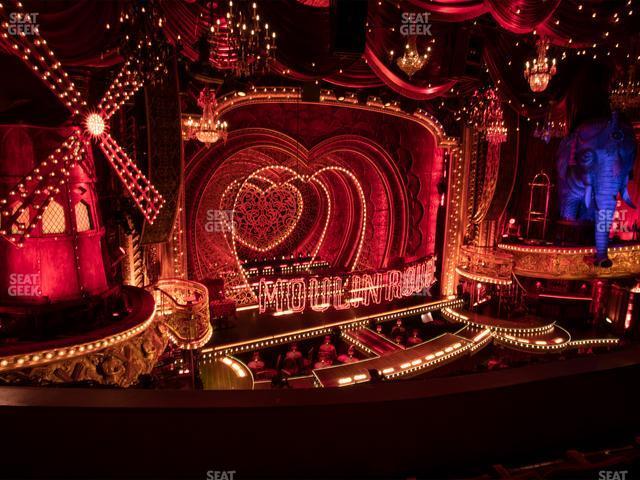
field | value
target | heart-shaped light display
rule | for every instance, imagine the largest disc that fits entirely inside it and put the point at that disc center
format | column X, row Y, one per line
column 265, row 218
column 255, row 210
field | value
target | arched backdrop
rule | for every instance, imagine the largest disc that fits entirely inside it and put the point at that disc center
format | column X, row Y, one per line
column 373, row 203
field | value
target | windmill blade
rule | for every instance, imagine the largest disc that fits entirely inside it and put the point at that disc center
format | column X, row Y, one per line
column 22, row 209
column 37, row 55
column 127, row 82
column 145, row 195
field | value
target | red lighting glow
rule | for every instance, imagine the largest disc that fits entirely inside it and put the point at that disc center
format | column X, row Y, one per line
column 299, row 294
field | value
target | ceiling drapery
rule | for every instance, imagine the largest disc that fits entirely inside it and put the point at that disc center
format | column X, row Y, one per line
column 77, row 30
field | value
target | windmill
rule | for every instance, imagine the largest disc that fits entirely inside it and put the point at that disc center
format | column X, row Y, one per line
column 23, row 207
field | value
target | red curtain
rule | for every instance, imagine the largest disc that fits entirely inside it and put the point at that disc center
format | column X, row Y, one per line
column 77, row 33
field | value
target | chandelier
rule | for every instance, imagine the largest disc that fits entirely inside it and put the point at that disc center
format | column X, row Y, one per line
column 496, row 133
column 625, row 95
column 412, row 61
column 538, row 72
column 486, row 115
column 208, row 129
column 145, row 40
column 549, row 129
column 248, row 44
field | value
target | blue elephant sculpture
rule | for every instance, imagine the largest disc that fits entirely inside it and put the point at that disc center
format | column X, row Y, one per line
column 594, row 164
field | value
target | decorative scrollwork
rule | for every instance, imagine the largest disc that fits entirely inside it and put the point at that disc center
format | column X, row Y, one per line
column 263, row 219
column 572, row 263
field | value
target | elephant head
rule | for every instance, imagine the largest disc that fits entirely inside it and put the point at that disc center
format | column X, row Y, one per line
column 594, row 164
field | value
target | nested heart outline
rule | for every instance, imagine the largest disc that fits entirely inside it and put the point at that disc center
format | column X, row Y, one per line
column 305, row 178
column 229, row 227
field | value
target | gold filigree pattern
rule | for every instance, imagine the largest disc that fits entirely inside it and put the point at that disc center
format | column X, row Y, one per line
column 119, row 365
column 183, row 306
column 486, row 265
column 573, row 264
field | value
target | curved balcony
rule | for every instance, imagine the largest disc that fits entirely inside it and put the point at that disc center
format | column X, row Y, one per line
column 183, row 306
column 572, row 263
column 485, row 265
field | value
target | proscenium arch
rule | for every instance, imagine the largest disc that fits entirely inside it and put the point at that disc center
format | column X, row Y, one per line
column 205, row 163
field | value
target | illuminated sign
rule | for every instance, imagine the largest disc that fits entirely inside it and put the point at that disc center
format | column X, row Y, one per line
column 294, row 295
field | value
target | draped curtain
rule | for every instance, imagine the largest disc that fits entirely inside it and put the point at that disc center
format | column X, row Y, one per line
column 77, row 32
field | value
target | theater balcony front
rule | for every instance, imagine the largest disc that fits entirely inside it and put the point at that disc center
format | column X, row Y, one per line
column 290, row 239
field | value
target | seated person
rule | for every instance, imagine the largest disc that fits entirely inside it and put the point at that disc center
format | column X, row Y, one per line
column 512, row 229
column 294, row 354
column 398, row 330
column 349, row 356
column 290, row 366
column 256, row 364
column 327, row 350
column 414, row 339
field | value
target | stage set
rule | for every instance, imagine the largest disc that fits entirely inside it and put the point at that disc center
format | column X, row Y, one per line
column 350, row 201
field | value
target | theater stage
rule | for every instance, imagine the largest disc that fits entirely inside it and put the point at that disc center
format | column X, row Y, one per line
column 252, row 330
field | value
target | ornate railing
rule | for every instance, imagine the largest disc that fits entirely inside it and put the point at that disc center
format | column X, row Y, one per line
column 485, row 265
column 183, row 307
column 572, row 263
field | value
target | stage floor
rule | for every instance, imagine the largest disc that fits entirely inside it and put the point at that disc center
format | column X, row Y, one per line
column 251, row 329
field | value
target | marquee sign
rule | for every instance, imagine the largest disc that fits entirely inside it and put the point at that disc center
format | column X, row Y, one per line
column 294, row 295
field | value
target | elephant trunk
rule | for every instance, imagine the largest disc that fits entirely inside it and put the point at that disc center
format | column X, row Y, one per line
column 604, row 218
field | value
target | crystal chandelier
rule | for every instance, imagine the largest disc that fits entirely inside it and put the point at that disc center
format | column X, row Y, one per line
column 412, row 61
column 538, row 72
column 145, row 39
column 249, row 42
column 625, row 95
column 208, row 129
column 549, row 129
column 486, row 115
column 496, row 133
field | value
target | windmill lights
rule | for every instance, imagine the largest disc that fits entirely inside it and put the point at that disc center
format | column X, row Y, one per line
column 38, row 188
